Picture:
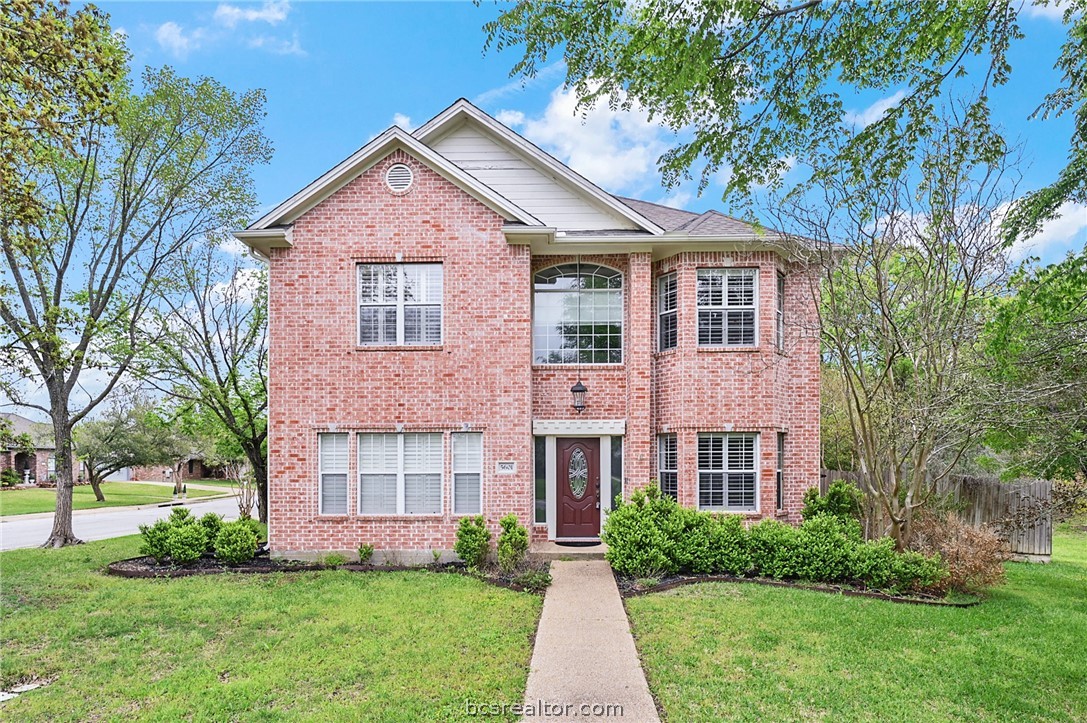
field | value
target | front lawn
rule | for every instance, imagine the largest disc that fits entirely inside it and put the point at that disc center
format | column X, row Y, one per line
column 117, row 494
column 330, row 645
column 717, row 651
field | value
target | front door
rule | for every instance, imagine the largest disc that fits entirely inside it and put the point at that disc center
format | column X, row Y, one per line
column 578, row 482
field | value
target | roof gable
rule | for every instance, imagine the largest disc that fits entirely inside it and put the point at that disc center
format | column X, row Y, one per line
column 517, row 168
column 365, row 158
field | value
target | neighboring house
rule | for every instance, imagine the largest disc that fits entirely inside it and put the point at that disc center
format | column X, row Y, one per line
column 38, row 466
column 190, row 468
column 436, row 297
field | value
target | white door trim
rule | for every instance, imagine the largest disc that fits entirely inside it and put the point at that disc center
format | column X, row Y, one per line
column 578, row 427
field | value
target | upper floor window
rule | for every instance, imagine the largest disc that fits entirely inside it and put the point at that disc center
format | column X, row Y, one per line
column 727, row 300
column 577, row 315
column 667, row 306
column 400, row 304
column 780, row 313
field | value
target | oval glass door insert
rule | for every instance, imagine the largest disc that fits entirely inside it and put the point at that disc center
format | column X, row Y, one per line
column 578, row 473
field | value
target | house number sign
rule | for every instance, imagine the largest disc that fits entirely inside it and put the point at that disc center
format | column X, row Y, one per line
column 505, row 468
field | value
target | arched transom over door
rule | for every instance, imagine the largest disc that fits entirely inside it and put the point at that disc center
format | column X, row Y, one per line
column 578, row 482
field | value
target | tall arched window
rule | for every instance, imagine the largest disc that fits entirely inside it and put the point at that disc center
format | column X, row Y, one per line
column 577, row 315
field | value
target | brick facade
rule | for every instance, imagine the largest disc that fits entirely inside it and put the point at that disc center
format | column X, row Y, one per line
column 481, row 378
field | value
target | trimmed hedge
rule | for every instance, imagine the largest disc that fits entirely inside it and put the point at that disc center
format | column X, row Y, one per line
column 652, row 536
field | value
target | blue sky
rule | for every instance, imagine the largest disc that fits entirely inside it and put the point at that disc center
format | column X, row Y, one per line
column 337, row 74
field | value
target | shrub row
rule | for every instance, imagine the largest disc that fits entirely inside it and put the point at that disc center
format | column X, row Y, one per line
column 652, row 536
column 473, row 543
column 182, row 538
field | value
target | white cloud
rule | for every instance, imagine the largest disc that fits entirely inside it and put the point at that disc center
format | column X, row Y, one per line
column 545, row 74
column 613, row 148
column 874, row 112
column 271, row 12
column 1054, row 10
column 510, row 118
column 120, row 32
column 278, row 46
column 403, row 121
column 678, row 199
column 1064, row 233
column 233, row 247
column 172, row 38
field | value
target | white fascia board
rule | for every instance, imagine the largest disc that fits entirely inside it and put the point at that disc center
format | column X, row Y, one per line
column 575, row 427
column 261, row 241
column 463, row 108
column 391, row 140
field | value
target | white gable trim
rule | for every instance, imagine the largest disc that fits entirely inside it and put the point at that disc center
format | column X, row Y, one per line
column 391, row 140
column 463, row 109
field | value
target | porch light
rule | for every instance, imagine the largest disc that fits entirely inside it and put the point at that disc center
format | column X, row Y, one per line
column 579, row 391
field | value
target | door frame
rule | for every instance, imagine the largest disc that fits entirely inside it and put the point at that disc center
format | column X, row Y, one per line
column 551, row 430
column 597, row 489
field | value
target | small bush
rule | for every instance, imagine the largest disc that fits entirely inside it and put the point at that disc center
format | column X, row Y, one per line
column 773, row 547
column 9, row 478
column 512, row 543
column 533, row 580
column 974, row 556
column 211, row 523
column 473, row 541
column 824, row 548
column 842, row 500
column 334, row 559
column 692, row 536
column 366, row 553
column 154, row 540
column 916, row 573
column 637, row 544
column 235, row 542
column 729, row 541
column 255, row 526
column 186, row 542
column 181, row 516
column 873, row 563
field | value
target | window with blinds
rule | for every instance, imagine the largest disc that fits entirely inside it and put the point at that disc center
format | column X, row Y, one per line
column 728, row 477
column 467, row 473
column 332, row 454
column 422, row 474
column 379, row 469
column 400, row 304
column 727, row 300
column 667, row 311
column 779, row 314
column 400, row 473
column 667, row 463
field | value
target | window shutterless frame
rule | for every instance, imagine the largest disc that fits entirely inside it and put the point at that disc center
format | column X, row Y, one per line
column 401, row 474
column 667, row 312
column 779, row 490
column 728, row 472
column 727, row 302
column 332, row 473
column 467, row 473
column 400, row 304
column 780, row 312
column 667, row 459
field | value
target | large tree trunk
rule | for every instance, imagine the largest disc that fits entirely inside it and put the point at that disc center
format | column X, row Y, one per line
column 62, row 533
column 257, row 461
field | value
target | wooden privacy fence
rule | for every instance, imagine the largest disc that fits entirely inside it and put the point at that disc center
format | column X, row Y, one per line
column 1021, row 512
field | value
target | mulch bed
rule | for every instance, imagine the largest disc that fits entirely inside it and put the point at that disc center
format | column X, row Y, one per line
column 146, row 567
column 630, row 588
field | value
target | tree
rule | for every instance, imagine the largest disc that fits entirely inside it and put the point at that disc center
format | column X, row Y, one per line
column 80, row 283
column 58, row 71
column 214, row 359
column 1037, row 339
column 130, row 434
column 752, row 80
column 902, row 307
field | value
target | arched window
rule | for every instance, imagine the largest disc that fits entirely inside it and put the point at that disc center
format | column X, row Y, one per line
column 577, row 315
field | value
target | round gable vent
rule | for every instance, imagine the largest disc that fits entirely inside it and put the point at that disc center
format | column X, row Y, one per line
column 398, row 178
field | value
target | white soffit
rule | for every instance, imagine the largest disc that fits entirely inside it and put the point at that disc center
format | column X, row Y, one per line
column 574, row 427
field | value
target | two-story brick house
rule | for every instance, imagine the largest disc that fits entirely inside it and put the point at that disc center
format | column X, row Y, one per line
column 436, row 297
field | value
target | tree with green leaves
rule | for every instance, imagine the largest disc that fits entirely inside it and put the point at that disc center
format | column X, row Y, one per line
column 214, row 357
column 130, row 434
column 80, row 283
column 753, row 81
column 1037, row 339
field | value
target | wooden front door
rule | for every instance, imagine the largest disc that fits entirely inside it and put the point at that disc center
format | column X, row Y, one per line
column 578, row 482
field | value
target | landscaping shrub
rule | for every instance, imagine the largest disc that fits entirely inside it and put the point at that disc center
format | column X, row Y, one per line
column 334, row 559
column 533, row 580
column 842, row 500
column 637, row 544
column 235, row 542
column 186, row 542
column 211, row 523
column 366, row 553
column 873, row 563
column 473, row 541
column 691, row 536
column 729, row 541
column 974, row 556
column 512, row 543
column 915, row 572
column 255, row 526
column 154, row 540
column 9, row 478
column 773, row 547
column 824, row 547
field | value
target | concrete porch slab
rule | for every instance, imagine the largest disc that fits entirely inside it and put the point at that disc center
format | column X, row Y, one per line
column 551, row 551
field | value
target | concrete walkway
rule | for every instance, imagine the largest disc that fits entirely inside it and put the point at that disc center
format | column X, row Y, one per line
column 584, row 660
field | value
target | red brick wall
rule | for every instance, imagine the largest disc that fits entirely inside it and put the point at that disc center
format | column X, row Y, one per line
column 482, row 375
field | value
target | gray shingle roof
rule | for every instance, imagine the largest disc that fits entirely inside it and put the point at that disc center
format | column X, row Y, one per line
column 710, row 223
column 39, row 432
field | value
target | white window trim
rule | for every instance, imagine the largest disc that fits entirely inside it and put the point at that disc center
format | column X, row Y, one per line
column 321, row 475
column 400, row 305
column 661, row 313
column 400, row 475
column 661, row 469
column 725, row 307
column 758, row 476
column 779, row 473
column 454, row 472
column 779, row 312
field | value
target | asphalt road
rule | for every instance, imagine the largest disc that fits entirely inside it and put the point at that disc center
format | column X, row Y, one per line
column 18, row 532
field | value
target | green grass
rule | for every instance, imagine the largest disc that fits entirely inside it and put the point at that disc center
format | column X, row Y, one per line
column 117, row 494
column 744, row 652
column 330, row 645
